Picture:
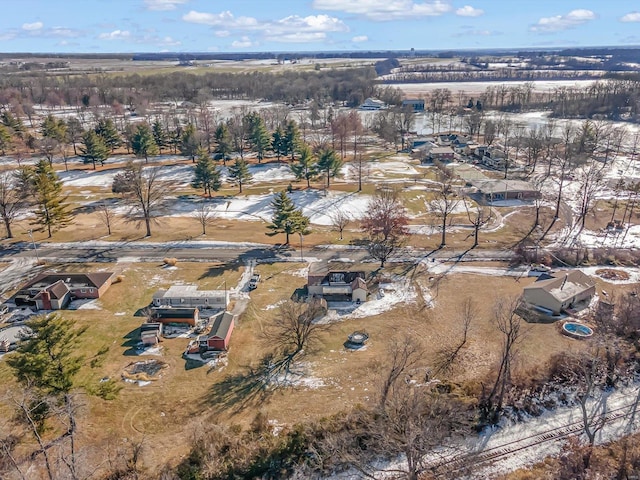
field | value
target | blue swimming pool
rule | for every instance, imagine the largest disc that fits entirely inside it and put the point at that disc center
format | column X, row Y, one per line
column 577, row 330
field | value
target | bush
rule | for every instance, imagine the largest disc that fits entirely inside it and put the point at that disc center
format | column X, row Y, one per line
column 170, row 261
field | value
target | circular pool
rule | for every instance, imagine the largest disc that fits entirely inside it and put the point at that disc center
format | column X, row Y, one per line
column 576, row 330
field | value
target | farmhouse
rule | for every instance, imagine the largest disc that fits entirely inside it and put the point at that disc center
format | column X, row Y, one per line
column 54, row 291
column 190, row 296
column 495, row 190
column 338, row 286
column 176, row 315
column 440, row 154
column 565, row 290
column 220, row 334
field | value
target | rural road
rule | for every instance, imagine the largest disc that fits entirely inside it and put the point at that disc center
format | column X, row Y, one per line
column 186, row 251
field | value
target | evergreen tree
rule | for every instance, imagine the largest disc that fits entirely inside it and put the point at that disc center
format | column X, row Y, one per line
column 206, row 175
column 51, row 207
column 107, row 130
column 259, row 136
column 93, row 148
column 239, row 173
column 5, row 139
column 189, row 143
column 291, row 139
column 278, row 143
column 223, row 142
column 286, row 218
column 47, row 358
column 54, row 129
column 160, row 135
column 304, row 168
column 329, row 163
column 143, row 143
column 13, row 123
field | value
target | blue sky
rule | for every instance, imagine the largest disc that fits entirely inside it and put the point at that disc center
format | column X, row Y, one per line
column 294, row 25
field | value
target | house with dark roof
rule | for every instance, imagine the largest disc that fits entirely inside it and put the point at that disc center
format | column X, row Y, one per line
column 416, row 103
column 220, row 334
column 54, row 291
column 338, row 286
column 563, row 291
column 492, row 190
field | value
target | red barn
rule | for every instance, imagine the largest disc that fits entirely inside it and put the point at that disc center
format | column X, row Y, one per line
column 218, row 338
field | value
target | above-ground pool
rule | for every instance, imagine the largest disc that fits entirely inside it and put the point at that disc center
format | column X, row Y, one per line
column 576, row 330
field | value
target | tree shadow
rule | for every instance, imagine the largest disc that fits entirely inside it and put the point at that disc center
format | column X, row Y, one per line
column 131, row 341
column 238, row 391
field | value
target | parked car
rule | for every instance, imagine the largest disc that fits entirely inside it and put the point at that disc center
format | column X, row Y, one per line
column 536, row 267
column 253, row 282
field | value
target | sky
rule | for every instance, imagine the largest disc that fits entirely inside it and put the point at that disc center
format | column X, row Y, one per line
column 119, row 26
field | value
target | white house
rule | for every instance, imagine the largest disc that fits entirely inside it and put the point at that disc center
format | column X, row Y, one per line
column 190, row 296
column 564, row 290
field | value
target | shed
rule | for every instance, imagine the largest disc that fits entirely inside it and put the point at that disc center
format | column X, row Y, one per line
column 171, row 315
column 358, row 290
column 218, row 338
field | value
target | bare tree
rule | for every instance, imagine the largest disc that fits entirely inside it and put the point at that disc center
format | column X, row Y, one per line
column 145, row 192
column 12, row 200
column 443, row 206
column 403, row 355
column 205, row 216
column 590, row 180
column 478, row 217
column 447, row 357
column 107, row 215
column 509, row 326
column 294, row 330
column 385, row 223
column 339, row 220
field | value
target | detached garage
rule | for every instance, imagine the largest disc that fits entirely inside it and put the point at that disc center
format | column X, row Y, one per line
column 218, row 338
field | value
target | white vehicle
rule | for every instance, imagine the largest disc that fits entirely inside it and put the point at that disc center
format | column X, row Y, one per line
column 253, row 282
column 539, row 268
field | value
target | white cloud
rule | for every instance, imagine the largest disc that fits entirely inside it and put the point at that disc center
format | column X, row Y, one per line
column 563, row 22
column 32, row 27
column 169, row 42
column 244, row 42
column 631, row 17
column 385, row 10
column 469, row 11
column 293, row 28
column 225, row 19
column 163, row 5
column 115, row 35
column 360, row 39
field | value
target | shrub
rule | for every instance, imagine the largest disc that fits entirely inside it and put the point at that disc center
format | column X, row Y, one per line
column 170, row 261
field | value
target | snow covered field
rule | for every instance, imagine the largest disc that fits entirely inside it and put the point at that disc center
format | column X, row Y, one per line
column 480, row 87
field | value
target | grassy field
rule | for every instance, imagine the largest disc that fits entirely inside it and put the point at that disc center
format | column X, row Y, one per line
column 167, row 412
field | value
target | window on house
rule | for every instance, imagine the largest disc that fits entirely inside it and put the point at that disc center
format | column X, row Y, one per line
column 82, row 290
column 91, row 290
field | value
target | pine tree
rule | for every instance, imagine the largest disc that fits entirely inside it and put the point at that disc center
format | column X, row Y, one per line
column 278, row 143
column 13, row 123
column 286, row 218
column 93, row 148
column 239, row 173
column 258, row 135
column 304, row 168
column 159, row 135
column 143, row 143
column 47, row 359
column 189, row 143
column 107, row 130
column 54, row 129
column 223, row 142
column 5, row 139
column 291, row 139
column 52, row 210
column 329, row 163
column 206, row 175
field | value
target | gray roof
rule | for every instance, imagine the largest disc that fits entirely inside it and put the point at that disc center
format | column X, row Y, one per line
column 501, row 186
column 221, row 326
column 564, row 285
